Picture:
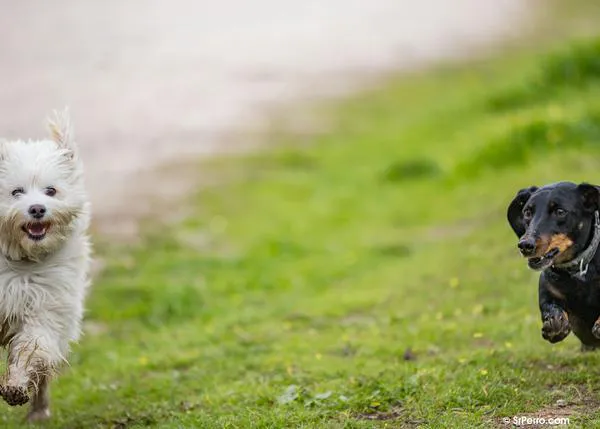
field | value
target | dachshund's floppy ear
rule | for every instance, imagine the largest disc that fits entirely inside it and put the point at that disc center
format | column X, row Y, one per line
column 515, row 210
column 590, row 195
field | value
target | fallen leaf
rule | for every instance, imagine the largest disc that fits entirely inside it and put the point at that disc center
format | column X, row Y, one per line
column 323, row 395
column 290, row 395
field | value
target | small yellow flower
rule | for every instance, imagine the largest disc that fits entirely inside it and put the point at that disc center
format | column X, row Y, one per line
column 483, row 371
column 461, row 360
column 477, row 335
column 508, row 345
column 143, row 360
column 454, row 282
column 318, row 356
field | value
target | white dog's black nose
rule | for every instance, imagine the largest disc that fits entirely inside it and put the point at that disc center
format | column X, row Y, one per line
column 37, row 211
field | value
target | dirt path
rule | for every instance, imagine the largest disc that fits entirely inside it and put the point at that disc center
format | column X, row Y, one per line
column 151, row 81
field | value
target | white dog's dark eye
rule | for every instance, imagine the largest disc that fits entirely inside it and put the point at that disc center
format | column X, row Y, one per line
column 17, row 191
column 50, row 191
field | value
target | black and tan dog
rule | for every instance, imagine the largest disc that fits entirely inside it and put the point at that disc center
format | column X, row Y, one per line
column 558, row 226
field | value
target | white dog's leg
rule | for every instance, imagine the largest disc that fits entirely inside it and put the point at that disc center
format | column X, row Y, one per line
column 33, row 354
column 40, row 403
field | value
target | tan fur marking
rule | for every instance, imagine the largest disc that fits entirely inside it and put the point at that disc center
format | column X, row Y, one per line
column 560, row 242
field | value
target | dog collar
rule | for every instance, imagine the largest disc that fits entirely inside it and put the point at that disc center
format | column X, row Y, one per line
column 578, row 267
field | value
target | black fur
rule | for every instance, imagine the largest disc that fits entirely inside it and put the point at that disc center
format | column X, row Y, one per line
column 515, row 210
column 565, row 210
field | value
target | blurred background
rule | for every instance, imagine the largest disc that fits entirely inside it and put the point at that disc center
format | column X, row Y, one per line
column 353, row 267
column 151, row 82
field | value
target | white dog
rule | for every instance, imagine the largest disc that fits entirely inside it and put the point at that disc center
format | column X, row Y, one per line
column 44, row 260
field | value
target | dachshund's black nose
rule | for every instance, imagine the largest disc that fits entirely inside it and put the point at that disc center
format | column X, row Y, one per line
column 527, row 246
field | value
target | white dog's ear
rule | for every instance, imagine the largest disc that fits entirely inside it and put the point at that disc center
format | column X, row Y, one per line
column 61, row 131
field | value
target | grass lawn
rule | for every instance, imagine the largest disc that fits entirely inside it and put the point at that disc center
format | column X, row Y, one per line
column 366, row 279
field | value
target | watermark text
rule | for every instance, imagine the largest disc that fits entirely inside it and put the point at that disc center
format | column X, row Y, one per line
column 539, row 421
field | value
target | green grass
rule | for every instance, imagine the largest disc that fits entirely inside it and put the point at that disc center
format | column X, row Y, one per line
column 368, row 279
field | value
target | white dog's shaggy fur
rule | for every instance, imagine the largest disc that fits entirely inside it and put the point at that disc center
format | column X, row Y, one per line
column 44, row 260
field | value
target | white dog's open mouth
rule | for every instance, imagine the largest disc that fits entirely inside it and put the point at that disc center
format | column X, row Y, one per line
column 36, row 230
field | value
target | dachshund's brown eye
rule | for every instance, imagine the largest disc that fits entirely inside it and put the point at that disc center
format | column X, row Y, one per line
column 50, row 191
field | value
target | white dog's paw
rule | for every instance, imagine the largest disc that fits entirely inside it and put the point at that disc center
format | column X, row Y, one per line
column 14, row 395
